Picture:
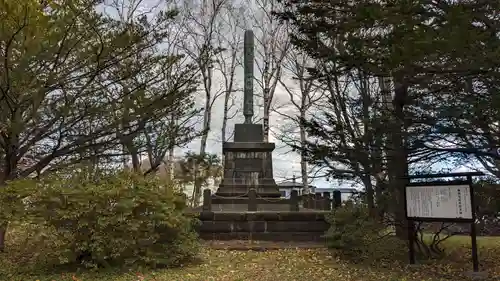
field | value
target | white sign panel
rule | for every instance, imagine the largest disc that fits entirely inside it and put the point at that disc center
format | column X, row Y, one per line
column 439, row 201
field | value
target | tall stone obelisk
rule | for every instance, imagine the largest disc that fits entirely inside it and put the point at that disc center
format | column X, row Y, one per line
column 248, row 132
column 248, row 160
column 248, row 64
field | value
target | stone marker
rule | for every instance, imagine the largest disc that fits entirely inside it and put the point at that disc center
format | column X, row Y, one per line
column 248, row 160
column 248, row 47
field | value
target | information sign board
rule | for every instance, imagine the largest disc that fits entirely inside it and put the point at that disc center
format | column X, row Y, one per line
column 439, row 202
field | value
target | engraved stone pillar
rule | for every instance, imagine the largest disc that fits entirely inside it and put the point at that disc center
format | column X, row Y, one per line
column 248, row 160
column 248, row 62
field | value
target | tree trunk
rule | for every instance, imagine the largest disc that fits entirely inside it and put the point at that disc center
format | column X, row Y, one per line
column 136, row 163
column 384, row 144
column 381, row 204
column 366, row 142
column 367, row 182
column 378, row 171
column 400, row 155
column 265, row 120
column 3, row 225
column 3, row 232
column 303, row 162
column 224, row 118
column 223, row 131
column 203, row 147
column 229, row 81
column 10, row 172
column 170, row 165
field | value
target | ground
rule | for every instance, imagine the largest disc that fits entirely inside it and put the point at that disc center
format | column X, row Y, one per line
column 264, row 263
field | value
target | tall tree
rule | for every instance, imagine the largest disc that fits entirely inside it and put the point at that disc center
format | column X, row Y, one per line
column 271, row 47
column 61, row 82
column 303, row 95
column 229, row 39
column 205, row 170
column 202, row 21
column 410, row 46
column 471, row 133
column 162, row 134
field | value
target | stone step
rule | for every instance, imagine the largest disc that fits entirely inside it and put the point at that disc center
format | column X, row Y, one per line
column 262, row 226
column 240, row 146
column 222, row 208
column 259, row 245
column 266, row 236
column 303, row 215
column 244, row 200
column 243, row 192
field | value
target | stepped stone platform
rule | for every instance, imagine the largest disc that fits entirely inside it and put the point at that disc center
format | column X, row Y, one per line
column 261, row 246
column 295, row 220
column 288, row 226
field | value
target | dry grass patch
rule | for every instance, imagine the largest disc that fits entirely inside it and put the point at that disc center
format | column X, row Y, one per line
column 287, row 265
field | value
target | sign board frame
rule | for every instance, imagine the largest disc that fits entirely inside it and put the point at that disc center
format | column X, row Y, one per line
column 472, row 221
column 441, row 184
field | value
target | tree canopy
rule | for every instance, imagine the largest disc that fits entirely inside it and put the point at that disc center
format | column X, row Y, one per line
column 76, row 84
column 409, row 84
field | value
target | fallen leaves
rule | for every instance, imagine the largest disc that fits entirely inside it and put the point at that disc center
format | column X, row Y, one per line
column 307, row 264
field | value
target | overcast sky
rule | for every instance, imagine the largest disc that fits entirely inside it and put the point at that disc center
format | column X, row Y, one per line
column 286, row 163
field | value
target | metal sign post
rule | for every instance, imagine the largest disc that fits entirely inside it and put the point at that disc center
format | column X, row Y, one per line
column 435, row 201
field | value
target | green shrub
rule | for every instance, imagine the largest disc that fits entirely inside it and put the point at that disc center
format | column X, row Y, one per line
column 123, row 219
column 355, row 233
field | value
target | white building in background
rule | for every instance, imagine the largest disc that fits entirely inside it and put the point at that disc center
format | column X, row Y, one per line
column 286, row 188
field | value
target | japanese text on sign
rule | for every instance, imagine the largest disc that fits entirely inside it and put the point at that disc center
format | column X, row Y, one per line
column 446, row 201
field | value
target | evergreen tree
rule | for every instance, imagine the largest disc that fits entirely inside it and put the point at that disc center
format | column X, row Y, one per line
column 391, row 67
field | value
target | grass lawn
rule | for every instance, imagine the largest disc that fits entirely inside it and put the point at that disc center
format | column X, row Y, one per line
column 291, row 264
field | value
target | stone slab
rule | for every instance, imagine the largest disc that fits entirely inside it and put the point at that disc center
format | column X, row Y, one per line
column 256, row 245
column 248, row 133
column 248, row 146
column 266, row 236
column 215, row 227
column 264, row 184
column 303, row 215
column 244, row 200
column 250, row 226
column 262, row 226
column 270, row 207
column 267, row 191
column 296, row 226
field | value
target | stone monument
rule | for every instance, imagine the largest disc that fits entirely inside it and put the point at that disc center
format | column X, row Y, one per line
column 248, row 160
column 247, row 204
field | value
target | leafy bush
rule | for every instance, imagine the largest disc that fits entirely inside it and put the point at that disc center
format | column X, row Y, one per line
column 355, row 233
column 351, row 227
column 487, row 196
column 124, row 219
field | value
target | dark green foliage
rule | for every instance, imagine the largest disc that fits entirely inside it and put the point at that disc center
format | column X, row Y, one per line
column 424, row 46
column 487, row 198
column 488, row 207
column 353, row 231
column 114, row 220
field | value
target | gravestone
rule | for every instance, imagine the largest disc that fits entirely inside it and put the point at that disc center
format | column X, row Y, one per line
column 248, row 159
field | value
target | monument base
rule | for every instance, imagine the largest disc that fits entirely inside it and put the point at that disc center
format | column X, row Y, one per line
column 248, row 164
column 282, row 226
